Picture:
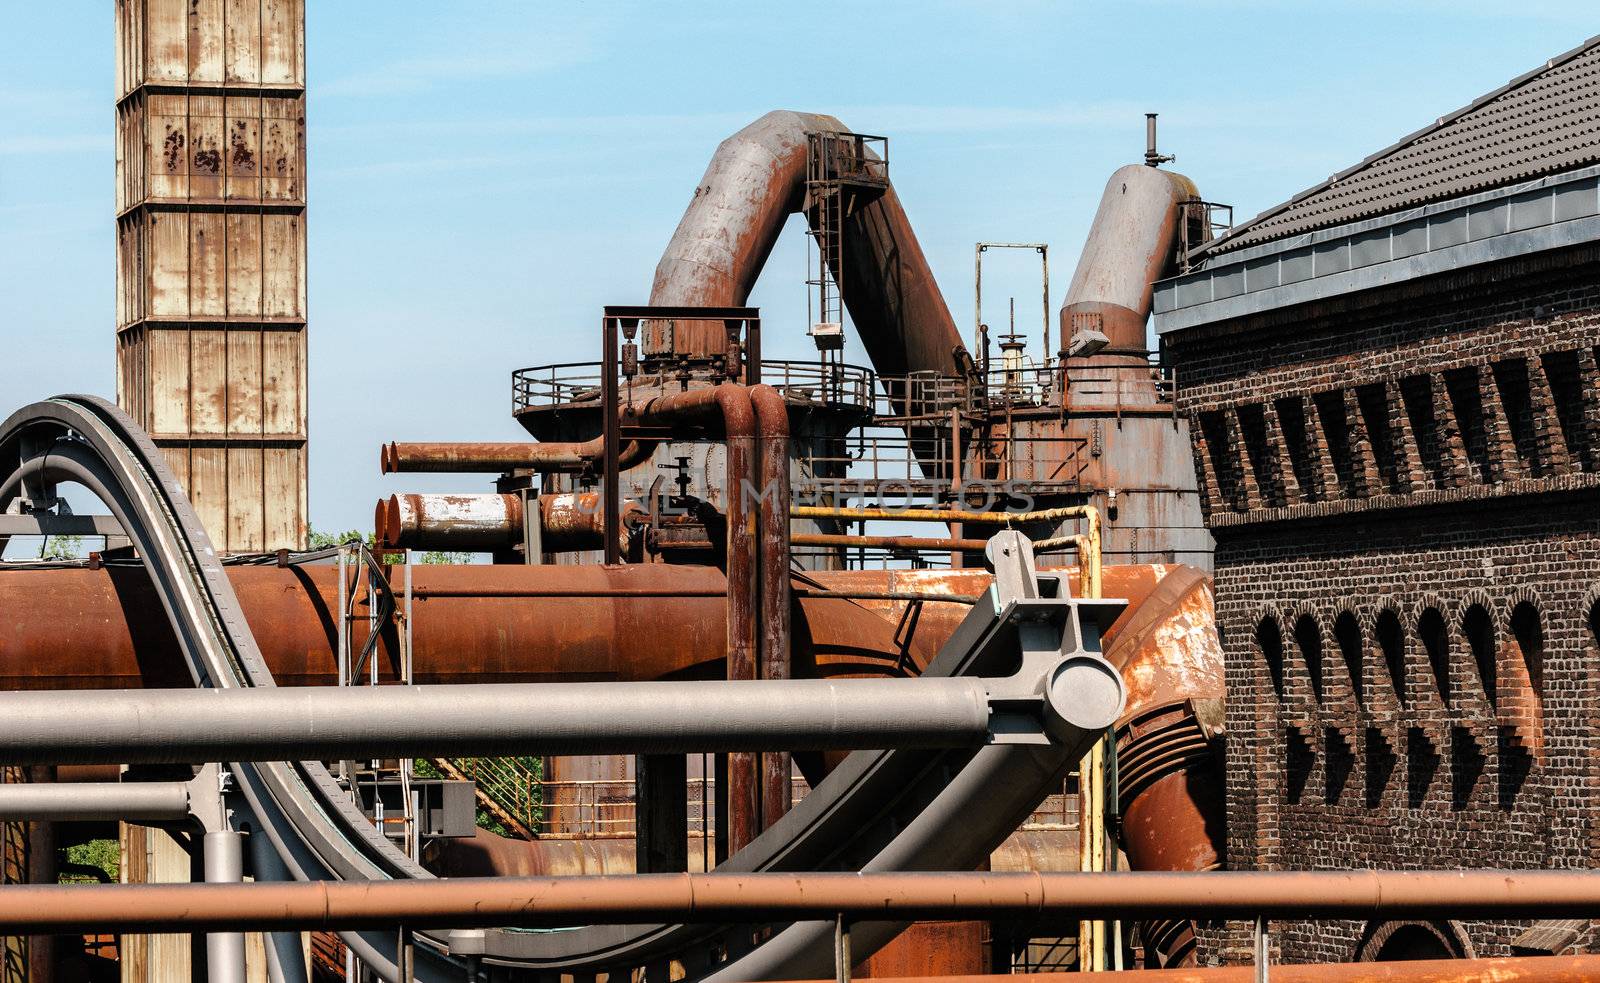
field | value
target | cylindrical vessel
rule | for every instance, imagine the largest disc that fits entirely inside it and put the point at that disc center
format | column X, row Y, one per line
column 87, row 629
column 449, row 522
column 569, row 522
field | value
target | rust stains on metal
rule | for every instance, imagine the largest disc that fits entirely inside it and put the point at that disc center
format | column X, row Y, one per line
column 1130, row 246
column 755, row 180
column 498, row 456
column 1530, row 969
column 772, row 422
column 720, row 897
column 569, row 521
column 85, row 629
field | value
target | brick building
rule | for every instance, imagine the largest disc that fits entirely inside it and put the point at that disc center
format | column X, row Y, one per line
column 1395, row 406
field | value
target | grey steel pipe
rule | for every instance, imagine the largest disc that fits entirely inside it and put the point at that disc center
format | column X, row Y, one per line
column 329, row 723
column 477, row 902
column 95, row 801
column 223, row 857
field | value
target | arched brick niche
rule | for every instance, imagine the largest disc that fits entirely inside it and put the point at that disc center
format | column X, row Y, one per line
column 1400, row 940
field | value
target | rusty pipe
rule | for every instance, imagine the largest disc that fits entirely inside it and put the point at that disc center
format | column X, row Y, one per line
column 1173, row 816
column 737, row 412
column 448, row 522
column 97, row 629
column 1516, row 969
column 886, row 542
column 772, row 423
column 714, row 898
column 569, row 521
column 494, row 457
column 754, row 181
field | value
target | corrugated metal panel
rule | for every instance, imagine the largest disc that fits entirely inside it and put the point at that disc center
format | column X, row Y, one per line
column 200, row 264
column 1544, row 122
column 192, row 148
column 210, row 42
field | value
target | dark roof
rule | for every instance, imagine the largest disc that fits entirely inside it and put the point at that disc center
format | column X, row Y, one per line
column 1540, row 123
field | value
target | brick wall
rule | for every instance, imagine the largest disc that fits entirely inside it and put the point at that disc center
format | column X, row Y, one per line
column 1405, row 492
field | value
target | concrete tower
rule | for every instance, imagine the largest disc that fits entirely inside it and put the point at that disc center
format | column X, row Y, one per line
column 211, row 247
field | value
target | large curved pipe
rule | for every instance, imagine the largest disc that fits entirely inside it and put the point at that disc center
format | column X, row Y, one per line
column 755, row 180
column 1130, row 246
column 1171, row 781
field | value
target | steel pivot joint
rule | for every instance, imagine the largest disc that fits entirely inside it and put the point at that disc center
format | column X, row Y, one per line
column 1061, row 681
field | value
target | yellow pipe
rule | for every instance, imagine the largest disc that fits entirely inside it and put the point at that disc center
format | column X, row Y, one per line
column 1087, row 545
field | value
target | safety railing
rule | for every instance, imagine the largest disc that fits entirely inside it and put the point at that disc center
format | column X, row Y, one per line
column 829, row 384
column 509, row 789
column 606, row 808
column 1038, row 385
column 587, row 808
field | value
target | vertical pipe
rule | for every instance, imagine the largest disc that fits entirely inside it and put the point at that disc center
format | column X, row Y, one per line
column 1091, row 778
column 286, row 954
column 977, row 299
column 608, row 399
column 739, row 431
column 772, row 422
column 224, row 864
column 42, row 868
column 739, row 423
column 1044, row 266
column 957, row 529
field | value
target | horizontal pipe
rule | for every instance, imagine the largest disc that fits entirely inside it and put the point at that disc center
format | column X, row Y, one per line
column 1517, row 969
column 886, row 542
column 569, row 521
column 1061, row 514
column 95, row 801
column 327, row 723
column 472, row 902
column 494, row 457
column 50, row 524
column 469, row 522
column 473, row 623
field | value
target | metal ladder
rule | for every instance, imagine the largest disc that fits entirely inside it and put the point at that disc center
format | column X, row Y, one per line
column 362, row 581
column 843, row 172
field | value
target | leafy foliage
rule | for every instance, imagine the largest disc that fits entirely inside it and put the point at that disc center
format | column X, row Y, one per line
column 104, row 855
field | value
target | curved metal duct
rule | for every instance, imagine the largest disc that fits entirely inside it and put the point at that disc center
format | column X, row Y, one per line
column 755, row 181
column 1130, row 246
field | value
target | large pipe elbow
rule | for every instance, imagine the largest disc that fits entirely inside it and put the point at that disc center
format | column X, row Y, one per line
column 755, row 181
column 1130, row 246
column 1169, row 756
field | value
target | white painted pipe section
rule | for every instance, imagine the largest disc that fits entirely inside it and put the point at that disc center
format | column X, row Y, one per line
column 95, row 802
column 223, row 856
column 330, row 723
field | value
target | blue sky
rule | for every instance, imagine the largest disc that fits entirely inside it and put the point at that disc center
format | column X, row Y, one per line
column 485, row 176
